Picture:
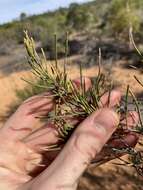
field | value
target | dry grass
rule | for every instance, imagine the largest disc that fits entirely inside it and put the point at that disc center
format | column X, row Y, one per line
column 13, row 81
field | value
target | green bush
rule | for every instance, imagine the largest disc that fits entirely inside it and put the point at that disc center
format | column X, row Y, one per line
column 121, row 15
column 29, row 90
column 106, row 16
column 22, row 95
column 78, row 18
column 23, row 16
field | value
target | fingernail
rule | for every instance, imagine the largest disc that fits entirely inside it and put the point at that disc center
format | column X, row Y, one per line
column 131, row 139
column 107, row 118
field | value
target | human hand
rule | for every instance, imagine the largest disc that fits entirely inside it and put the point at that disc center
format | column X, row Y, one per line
column 21, row 148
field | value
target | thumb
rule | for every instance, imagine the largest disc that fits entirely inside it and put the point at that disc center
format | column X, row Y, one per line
column 85, row 143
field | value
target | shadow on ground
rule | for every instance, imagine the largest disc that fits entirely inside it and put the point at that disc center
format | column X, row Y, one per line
column 113, row 178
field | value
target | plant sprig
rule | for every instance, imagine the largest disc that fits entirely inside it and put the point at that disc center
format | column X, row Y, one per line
column 71, row 102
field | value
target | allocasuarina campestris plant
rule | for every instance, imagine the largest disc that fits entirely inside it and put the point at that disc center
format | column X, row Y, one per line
column 71, row 102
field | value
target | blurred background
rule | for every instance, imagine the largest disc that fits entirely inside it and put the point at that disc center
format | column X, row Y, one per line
column 91, row 25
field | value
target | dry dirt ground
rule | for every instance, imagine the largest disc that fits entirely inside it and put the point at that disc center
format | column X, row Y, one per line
column 107, row 177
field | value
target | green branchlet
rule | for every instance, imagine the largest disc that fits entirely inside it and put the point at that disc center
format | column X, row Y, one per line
column 72, row 102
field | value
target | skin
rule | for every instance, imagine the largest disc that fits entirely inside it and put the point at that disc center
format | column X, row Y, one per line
column 21, row 145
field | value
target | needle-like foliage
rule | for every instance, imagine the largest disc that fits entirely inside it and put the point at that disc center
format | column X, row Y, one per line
column 72, row 103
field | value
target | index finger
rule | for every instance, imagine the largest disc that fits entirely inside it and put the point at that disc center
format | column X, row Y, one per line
column 25, row 119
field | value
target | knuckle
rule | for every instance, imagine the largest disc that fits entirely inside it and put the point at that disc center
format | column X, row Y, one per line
column 23, row 108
